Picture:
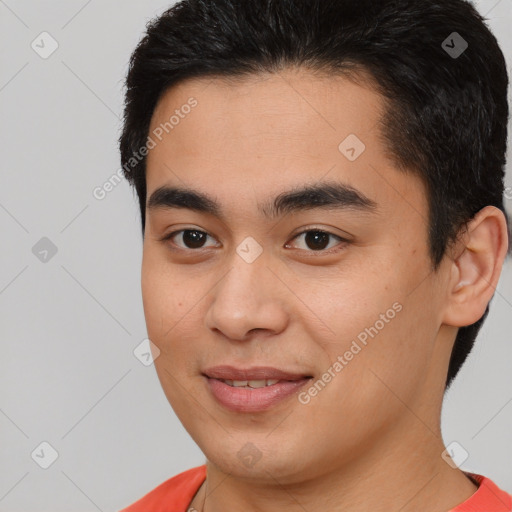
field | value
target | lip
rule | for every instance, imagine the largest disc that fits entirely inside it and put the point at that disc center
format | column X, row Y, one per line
column 227, row 372
column 252, row 400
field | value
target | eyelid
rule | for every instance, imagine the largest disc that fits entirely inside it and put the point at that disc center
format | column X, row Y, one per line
column 343, row 240
column 323, row 229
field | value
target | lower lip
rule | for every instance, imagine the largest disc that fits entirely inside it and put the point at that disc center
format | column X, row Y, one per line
column 253, row 400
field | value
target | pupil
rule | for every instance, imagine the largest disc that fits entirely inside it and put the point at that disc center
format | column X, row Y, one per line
column 193, row 238
column 314, row 236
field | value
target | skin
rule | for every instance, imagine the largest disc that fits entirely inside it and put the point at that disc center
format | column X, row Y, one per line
column 371, row 439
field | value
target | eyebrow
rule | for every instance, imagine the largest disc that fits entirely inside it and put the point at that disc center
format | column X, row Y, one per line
column 324, row 195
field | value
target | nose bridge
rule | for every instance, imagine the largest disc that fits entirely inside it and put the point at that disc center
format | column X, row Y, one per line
column 248, row 270
column 246, row 299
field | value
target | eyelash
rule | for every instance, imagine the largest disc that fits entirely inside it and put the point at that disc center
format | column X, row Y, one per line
column 343, row 241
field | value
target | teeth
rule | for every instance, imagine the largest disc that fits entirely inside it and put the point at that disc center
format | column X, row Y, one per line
column 257, row 383
column 251, row 384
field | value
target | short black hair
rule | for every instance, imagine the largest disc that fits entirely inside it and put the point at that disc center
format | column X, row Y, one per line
column 435, row 62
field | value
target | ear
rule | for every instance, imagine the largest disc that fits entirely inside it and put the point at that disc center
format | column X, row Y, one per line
column 477, row 259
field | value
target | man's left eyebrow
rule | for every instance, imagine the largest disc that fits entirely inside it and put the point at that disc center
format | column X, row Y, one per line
column 324, row 195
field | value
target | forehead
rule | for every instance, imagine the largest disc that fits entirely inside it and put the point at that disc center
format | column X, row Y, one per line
column 264, row 133
column 282, row 111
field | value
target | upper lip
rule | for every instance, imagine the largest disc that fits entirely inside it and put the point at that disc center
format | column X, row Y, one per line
column 225, row 372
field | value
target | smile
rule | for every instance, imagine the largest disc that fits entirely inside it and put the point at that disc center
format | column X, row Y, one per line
column 250, row 384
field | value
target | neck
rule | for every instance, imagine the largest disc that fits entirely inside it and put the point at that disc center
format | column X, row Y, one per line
column 404, row 472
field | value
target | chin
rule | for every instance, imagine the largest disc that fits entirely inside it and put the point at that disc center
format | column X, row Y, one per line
column 257, row 458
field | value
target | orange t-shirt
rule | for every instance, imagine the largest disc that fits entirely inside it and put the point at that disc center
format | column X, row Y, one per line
column 175, row 495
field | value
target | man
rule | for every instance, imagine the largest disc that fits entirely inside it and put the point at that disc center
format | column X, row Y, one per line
column 321, row 192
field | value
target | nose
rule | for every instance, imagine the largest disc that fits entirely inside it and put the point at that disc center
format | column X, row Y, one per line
column 248, row 299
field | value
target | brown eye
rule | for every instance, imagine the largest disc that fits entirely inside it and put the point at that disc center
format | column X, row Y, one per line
column 190, row 238
column 317, row 240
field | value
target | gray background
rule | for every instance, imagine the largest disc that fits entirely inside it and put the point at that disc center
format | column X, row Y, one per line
column 69, row 325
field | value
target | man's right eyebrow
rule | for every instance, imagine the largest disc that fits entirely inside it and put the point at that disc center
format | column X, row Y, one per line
column 322, row 195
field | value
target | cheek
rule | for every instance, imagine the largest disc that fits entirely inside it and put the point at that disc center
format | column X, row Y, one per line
column 162, row 296
column 380, row 329
column 393, row 363
column 174, row 313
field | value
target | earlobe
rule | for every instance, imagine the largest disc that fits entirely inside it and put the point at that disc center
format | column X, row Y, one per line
column 476, row 268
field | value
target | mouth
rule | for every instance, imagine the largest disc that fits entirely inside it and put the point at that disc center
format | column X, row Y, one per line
column 255, row 377
column 253, row 389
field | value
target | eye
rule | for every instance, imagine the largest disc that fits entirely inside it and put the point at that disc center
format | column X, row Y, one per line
column 317, row 240
column 191, row 238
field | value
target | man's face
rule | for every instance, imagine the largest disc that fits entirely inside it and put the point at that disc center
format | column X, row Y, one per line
column 246, row 288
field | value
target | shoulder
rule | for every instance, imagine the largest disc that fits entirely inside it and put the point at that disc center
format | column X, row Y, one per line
column 487, row 498
column 173, row 495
